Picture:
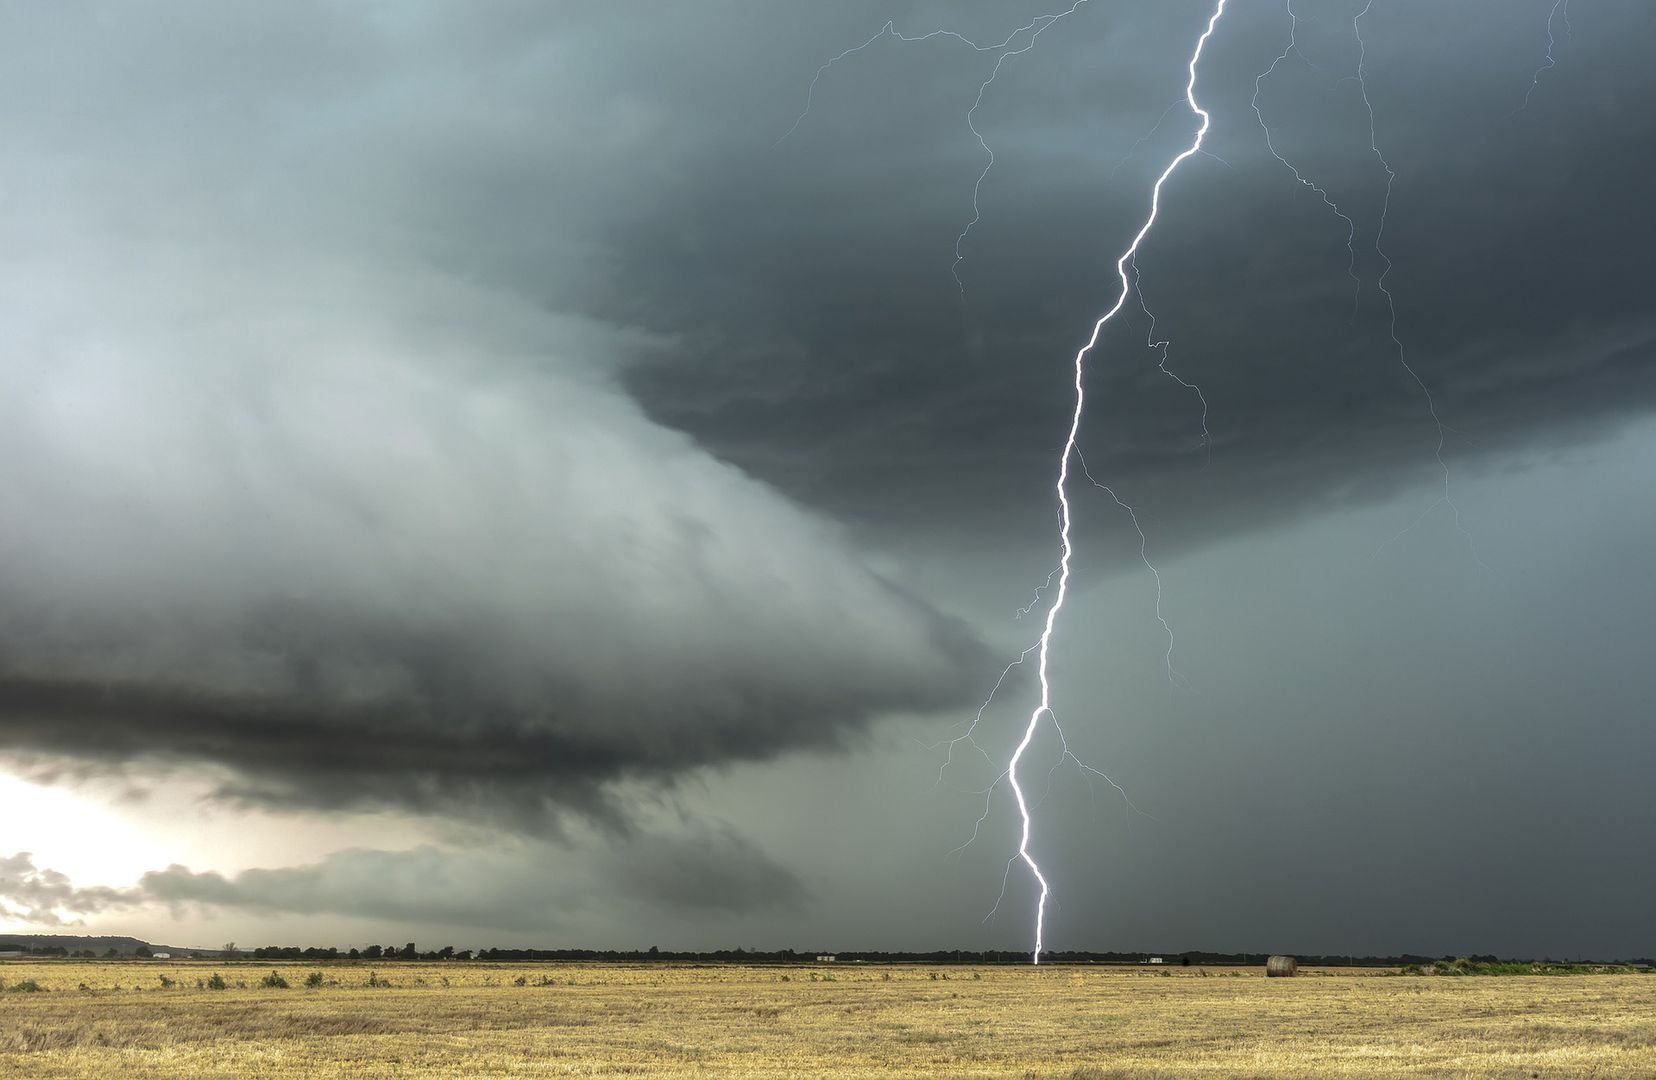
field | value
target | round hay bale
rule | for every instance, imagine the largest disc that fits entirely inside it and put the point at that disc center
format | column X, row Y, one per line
column 1280, row 967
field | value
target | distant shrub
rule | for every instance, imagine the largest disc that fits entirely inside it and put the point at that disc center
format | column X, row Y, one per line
column 27, row 986
column 217, row 982
column 314, row 979
column 274, row 981
column 521, row 980
column 166, row 983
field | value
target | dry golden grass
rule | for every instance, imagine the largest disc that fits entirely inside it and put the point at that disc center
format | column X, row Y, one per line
column 473, row 1019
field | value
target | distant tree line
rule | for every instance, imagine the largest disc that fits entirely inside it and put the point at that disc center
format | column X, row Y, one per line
column 373, row 952
column 411, row 951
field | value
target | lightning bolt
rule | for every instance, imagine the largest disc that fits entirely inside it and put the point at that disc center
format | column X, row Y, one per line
column 1446, row 499
column 1034, row 28
column 1006, row 49
column 1045, row 21
column 1144, row 556
column 1560, row 7
column 1361, row 79
column 1292, row 48
column 1151, row 343
column 1036, row 599
column 1044, row 709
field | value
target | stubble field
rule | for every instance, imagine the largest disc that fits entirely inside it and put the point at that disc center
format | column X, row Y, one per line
column 531, row 1020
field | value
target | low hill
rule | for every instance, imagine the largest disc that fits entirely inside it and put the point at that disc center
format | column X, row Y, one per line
column 98, row 944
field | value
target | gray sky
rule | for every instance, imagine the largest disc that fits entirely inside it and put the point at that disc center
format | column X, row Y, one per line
column 478, row 472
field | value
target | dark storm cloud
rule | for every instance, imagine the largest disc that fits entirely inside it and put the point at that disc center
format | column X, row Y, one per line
column 364, row 574
column 830, row 352
column 516, row 887
column 297, row 485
